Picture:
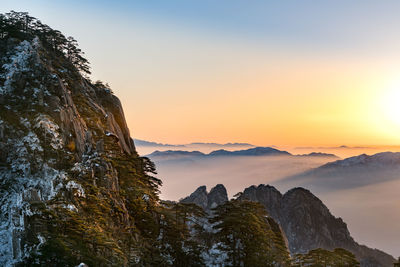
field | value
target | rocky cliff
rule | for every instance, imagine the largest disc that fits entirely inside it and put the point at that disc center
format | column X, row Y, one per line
column 308, row 223
column 207, row 201
column 72, row 187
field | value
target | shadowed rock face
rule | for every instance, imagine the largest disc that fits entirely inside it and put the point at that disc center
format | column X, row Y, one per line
column 198, row 197
column 308, row 223
column 265, row 194
column 320, row 228
column 217, row 196
column 207, row 201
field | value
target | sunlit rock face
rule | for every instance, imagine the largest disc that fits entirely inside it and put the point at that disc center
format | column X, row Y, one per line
column 308, row 223
column 60, row 139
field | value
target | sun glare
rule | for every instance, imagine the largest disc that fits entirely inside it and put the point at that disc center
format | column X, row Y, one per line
column 391, row 105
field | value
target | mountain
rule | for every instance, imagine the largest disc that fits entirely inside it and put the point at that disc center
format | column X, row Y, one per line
column 349, row 173
column 383, row 159
column 174, row 154
column 139, row 142
column 146, row 147
column 218, row 198
column 221, row 145
column 251, row 152
column 207, row 200
column 257, row 151
column 305, row 221
column 72, row 187
column 319, row 154
column 308, row 223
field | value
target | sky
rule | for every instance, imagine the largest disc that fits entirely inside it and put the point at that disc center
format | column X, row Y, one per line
column 285, row 73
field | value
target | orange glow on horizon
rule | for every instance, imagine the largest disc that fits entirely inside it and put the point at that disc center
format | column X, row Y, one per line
column 264, row 107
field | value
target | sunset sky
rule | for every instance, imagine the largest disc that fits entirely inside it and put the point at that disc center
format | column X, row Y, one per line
column 273, row 73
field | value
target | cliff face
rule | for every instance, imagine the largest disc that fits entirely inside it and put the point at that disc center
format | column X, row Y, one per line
column 308, row 223
column 59, row 190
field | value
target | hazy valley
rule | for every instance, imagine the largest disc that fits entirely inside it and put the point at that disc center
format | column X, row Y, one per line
column 359, row 183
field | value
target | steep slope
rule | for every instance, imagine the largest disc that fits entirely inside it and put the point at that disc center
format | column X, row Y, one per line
column 308, row 223
column 72, row 187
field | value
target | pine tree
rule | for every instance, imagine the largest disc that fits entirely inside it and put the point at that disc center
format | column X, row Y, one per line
column 245, row 234
column 179, row 229
column 339, row 257
column 22, row 26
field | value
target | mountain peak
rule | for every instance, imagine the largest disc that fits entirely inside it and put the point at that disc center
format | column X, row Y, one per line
column 217, row 195
column 207, row 201
column 308, row 223
column 66, row 156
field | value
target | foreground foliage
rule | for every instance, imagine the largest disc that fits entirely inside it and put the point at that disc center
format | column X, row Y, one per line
column 248, row 236
column 324, row 258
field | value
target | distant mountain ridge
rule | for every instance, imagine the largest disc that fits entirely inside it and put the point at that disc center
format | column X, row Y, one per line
column 139, row 142
column 318, row 154
column 256, row 151
column 176, row 153
column 351, row 172
column 379, row 159
column 226, row 144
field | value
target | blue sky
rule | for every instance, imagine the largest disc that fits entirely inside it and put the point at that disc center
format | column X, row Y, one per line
column 312, row 23
column 320, row 65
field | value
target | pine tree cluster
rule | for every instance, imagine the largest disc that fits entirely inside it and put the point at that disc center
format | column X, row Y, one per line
column 22, row 26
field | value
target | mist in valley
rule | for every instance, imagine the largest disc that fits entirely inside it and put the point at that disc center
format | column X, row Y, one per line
column 182, row 176
column 372, row 213
column 363, row 197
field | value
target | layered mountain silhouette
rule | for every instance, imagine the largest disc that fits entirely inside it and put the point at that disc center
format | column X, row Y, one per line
column 140, row 142
column 256, row 151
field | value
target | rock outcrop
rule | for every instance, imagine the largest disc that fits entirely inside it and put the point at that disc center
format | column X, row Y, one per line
column 308, row 223
column 207, row 201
